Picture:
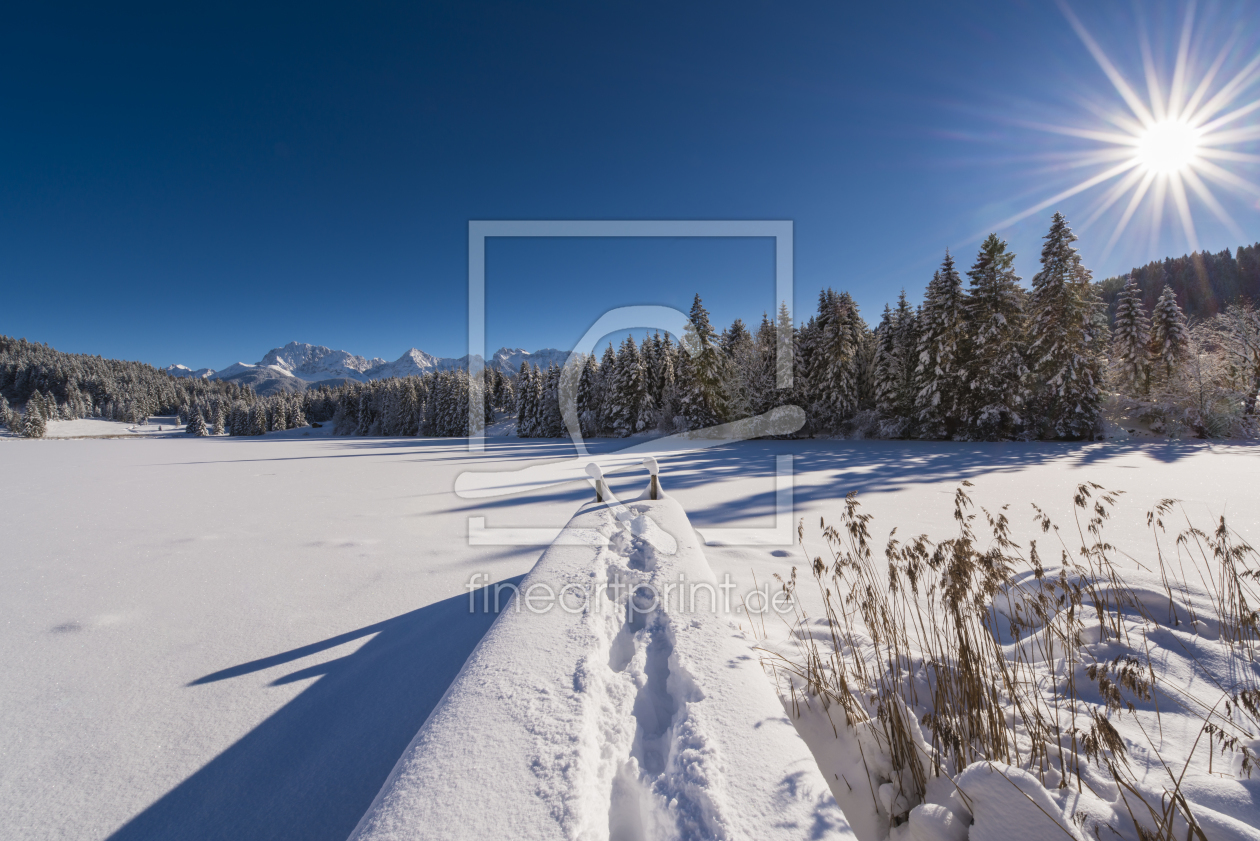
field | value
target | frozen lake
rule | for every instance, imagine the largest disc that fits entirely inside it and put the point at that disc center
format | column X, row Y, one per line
column 218, row 637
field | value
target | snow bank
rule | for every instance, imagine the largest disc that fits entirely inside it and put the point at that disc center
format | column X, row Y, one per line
column 628, row 706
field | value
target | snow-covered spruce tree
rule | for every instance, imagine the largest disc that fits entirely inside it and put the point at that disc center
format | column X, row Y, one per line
column 6, row 413
column 1066, row 338
column 526, row 411
column 258, row 418
column 804, row 341
column 647, row 417
column 607, row 375
column 741, row 360
column 994, row 371
column 649, row 356
column 906, row 328
column 550, row 424
column 1170, row 337
column 412, row 405
column 1131, row 340
column 196, row 424
column 297, row 417
column 735, row 337
column 665, row 383
column 33, row 423
column 939, row 384
column 759, row 369
column 217, row 419
column 702, row 400
column 629, row 391
column 784, row 357
column 887, row 365
column 588, row 398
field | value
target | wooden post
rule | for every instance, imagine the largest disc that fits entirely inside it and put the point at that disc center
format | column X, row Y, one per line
column 654, row 485
column 601, row 490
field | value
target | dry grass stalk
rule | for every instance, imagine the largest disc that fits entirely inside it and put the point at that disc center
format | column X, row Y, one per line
column 926, row 631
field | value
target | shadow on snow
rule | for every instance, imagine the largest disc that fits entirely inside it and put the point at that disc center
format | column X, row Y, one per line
column 313, row 767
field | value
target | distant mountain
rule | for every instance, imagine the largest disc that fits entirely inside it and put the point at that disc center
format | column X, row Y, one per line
column 183, row 371
column 413, row 363
column 263, row 379
column 316, row 362
column 292, row 367
column 509, row 360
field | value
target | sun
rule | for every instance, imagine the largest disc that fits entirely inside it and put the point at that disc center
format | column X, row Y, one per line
column 1168, row 147
column 1164, row 147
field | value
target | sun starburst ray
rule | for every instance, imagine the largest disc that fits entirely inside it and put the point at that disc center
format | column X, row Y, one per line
column 1205, row 84
column 1112, row 196
column 1183, row 210
column 1118, row 81
column 1177, row 90
column 1071, row 191
column 1166, row 148
column 1243, row 80
column 1147, row 179
column 1205, row 195
column 1226, row 178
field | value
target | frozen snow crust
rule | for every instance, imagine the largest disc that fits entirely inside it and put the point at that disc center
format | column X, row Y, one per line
column 621, row 715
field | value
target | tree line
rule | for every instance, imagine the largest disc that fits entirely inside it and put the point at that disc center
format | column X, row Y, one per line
column 984, row 359
column 1205, row 283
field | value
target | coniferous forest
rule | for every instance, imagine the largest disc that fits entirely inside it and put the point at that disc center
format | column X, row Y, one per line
column 1173, row 345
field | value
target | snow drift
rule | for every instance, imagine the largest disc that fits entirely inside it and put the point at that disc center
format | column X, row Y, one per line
column 629, row 707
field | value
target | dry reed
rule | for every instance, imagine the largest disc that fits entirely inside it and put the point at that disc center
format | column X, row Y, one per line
column 986, row 652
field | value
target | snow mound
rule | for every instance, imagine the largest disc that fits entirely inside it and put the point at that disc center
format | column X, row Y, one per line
column 609, row 713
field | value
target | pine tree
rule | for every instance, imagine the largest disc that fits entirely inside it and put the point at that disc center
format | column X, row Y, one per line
column 258, row 419
column 550, row 424
column 297, row 417
column 702, row 400
column 735, row 338
column 1065, row 341
column 665, row 383
column 887, row 365
column 785, row 359
column 1170, row 338
column 760, row 368
column 994, row 372
column 33, row 423
column 834, row 361
column 607, row 374
column 1131, row 339
column 217, row 420
column 938, row 376
column 196, row 424
column 906, row 330
column 528, row 402
column 628, row 390
column 588, row 398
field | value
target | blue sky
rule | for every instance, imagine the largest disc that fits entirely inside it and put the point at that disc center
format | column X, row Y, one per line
column 199, row 183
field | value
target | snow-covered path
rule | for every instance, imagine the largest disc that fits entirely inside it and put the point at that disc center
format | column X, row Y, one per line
column 210, row 638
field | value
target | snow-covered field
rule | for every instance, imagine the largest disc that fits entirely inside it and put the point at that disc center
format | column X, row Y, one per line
column 236, row 637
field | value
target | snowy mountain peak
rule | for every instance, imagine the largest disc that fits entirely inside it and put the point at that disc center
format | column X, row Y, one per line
column 411, row 364
column 508, row 360
column 185, row 371
column 297, row 363
column 316, row 362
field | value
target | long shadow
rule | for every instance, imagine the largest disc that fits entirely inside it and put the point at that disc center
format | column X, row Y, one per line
column 311, row 770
